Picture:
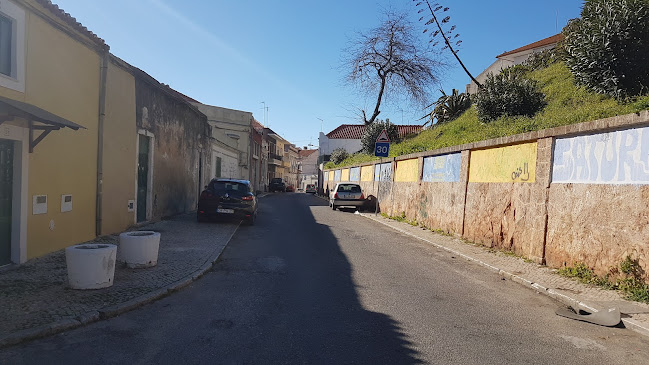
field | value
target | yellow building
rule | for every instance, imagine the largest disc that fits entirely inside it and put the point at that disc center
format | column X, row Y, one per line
column 52, row 98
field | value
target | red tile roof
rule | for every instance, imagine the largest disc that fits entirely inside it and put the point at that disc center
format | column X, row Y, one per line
column 543, row 42
column 54, row 9
column 306, row 153
column 355, row 131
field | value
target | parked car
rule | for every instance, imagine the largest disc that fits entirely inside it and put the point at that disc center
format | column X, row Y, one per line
column 228, row 198
column 290, row 188
column 347, row 194
column 276, row 184
column 310, row 188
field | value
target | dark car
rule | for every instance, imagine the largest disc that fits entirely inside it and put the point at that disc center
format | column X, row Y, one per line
column 276, row 184
column 228, row 198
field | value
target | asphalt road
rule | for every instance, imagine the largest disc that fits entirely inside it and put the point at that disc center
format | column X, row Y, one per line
column 310, row 285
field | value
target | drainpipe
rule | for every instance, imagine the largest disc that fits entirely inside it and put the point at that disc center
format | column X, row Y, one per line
column 103, row 71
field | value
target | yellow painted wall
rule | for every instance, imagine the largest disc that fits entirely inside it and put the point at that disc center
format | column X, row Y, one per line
column 344, row 175
column 407, row 171
column 504, row 164
column 331, row 176
column 62, row 76
column 367, row 173
column 120, row 138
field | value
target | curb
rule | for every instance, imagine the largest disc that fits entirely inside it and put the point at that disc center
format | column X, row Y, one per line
column 114, row 310
column 560, row 297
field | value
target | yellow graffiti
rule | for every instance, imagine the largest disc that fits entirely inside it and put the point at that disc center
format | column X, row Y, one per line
column 407, row 171
column 367, row 173
column 505, row 164
column 344, row 175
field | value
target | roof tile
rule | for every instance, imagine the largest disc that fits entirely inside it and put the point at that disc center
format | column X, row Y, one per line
column 355, row 131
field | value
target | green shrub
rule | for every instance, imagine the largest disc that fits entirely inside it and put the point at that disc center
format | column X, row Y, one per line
column 606, row 48
column 372, row 132
column 508, row 94
column 338, row 155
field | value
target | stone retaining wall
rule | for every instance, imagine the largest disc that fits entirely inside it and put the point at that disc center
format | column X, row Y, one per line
column 576, row 193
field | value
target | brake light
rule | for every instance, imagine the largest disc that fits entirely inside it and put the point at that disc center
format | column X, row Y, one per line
column 362, row 196
column 336, row 196
column 248, row 197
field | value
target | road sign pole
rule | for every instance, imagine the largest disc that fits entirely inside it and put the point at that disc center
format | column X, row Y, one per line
column 378, row 189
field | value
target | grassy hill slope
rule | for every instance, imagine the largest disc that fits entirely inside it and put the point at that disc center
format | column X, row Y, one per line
column 567, row 104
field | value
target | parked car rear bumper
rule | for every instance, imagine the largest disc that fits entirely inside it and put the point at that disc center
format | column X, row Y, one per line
column 348, row 203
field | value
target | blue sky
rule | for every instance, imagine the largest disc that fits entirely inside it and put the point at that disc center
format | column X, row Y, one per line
column 287, row 53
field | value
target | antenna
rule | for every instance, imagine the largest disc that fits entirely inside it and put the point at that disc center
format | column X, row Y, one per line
column 556, row 23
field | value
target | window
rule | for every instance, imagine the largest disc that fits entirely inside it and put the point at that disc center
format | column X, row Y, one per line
column 12, row 46
column 6, row 40
column 218, row 167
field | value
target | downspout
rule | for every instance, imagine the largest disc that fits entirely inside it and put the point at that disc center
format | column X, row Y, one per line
column 103, row 72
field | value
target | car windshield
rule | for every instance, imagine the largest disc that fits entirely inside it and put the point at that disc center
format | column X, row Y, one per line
column 349, row 188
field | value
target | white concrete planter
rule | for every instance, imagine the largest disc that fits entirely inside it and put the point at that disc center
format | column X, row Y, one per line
column 139, row 249
column 91, row 266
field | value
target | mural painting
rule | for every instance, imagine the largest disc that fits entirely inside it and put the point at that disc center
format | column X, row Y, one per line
column 504, row 164
column 407, row 171
column 620, row 157
column 355, row 174
column 337, row 175
column 445, row 168
column 383, row 172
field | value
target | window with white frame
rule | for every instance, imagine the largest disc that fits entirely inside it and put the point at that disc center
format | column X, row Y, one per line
column 12, row 46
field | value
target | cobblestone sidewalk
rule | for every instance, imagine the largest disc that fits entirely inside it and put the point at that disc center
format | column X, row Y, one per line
column 540, row 278
column 36, row 300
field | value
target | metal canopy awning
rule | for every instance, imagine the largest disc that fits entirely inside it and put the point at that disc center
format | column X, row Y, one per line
column 47, row 122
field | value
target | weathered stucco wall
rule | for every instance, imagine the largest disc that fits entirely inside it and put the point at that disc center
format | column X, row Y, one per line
column 120, row 156
column 563, row 195
column 181, row 135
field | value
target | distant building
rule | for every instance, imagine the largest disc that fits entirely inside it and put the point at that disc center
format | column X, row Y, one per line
column 514, row 57
column 348, row 136
column 308, row 167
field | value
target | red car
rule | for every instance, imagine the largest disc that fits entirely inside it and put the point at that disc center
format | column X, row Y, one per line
column 290, row 189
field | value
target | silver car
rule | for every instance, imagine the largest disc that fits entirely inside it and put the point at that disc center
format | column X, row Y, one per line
column 346, row 195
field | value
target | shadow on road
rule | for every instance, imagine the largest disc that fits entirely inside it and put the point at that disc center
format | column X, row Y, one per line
column 322, row 319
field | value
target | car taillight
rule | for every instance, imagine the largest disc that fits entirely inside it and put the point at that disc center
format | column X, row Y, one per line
column 206, row 194
column 248, row 197
column 336, row 196
column 362, row 196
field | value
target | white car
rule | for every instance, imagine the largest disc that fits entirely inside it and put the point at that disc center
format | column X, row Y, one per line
column 347, row 195
column 310, row 188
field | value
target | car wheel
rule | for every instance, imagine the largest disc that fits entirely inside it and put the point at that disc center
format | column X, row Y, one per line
column 251, row 221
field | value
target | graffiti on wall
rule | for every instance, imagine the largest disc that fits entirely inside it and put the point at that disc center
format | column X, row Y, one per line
column 620, row 157
column 355, row 174
column 504, row 164
column 445, row 168
column 407, row 171
column 383, row 172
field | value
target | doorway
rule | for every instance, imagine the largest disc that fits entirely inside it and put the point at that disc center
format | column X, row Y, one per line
column 6, row 194
column 144, row 144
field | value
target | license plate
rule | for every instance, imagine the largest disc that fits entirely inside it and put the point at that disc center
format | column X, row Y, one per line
column 228, row 211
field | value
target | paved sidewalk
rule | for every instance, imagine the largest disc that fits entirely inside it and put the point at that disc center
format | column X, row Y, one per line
column 36, row 300
column 537, row 277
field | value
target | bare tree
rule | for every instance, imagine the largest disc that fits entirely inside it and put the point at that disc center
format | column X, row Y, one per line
column 391, row 58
